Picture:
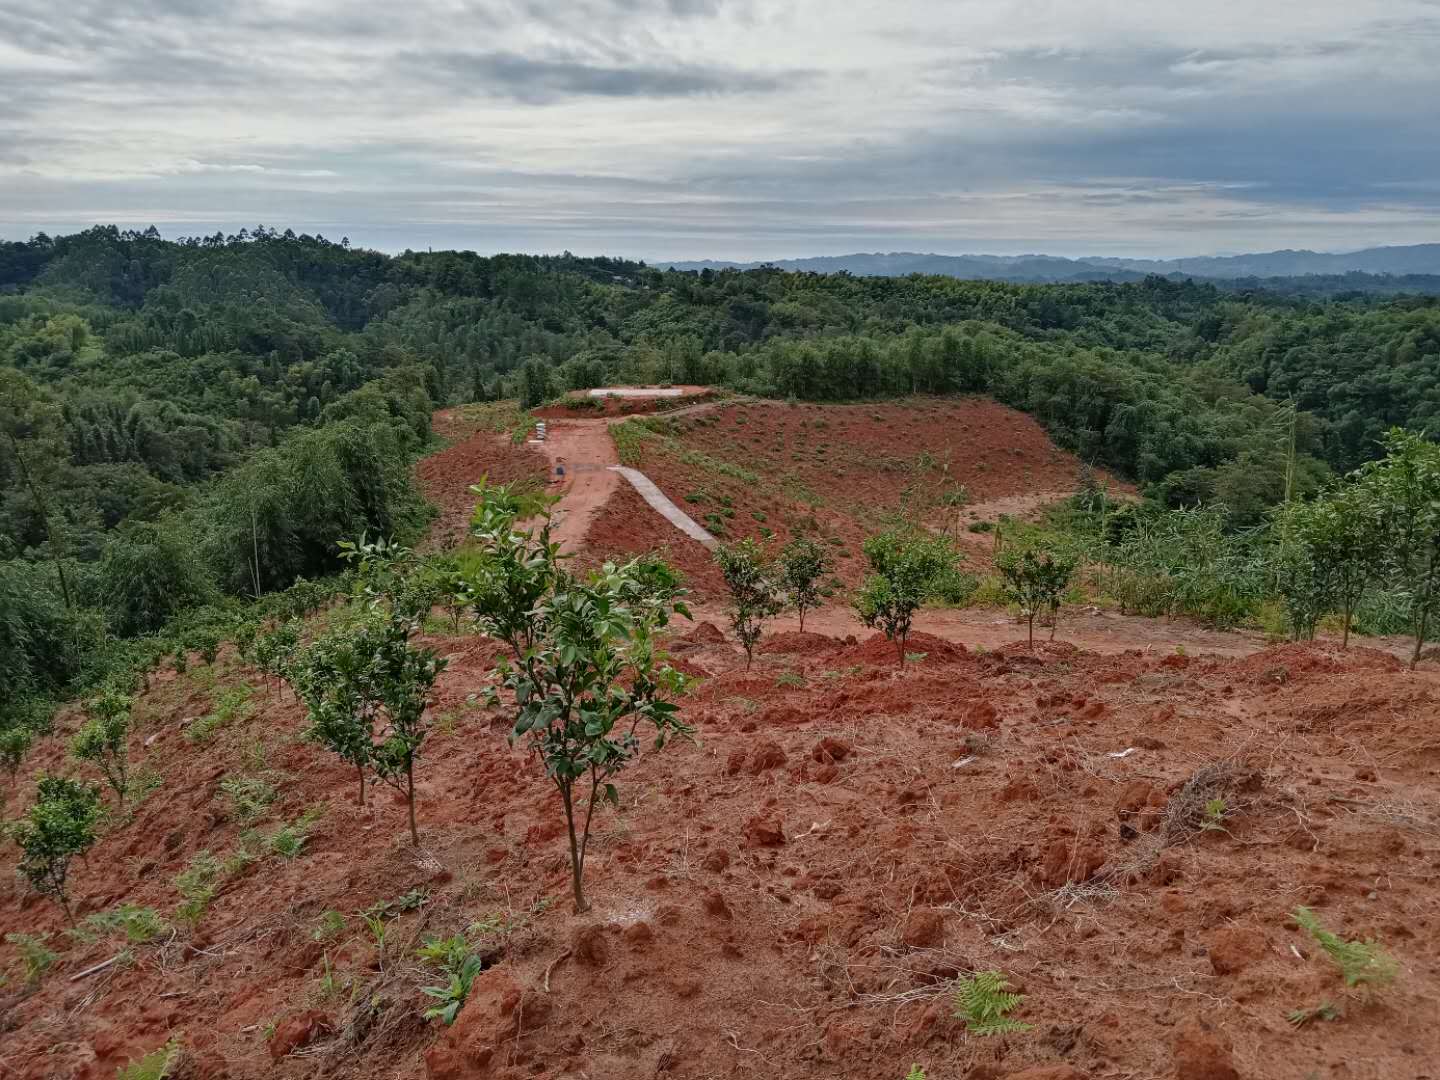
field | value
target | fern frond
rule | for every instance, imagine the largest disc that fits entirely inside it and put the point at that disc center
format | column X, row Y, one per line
column 156, row 1065
column 1360, row 962
column 983, row 1000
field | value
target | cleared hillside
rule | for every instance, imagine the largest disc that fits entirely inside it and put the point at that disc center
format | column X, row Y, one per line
column 802, row 884
column 837, row 473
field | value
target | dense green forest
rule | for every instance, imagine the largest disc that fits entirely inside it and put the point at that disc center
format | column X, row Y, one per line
column 189, row 421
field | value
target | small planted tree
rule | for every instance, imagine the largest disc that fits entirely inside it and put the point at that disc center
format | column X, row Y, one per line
column 1036, row 581
column 403, row 679
column 906, row 569
column 585, row 679
column 59, row 826
column 1344, row 537
column 103, row 740
column 515, row 570
column 1305, row 591
column 366, row 688
column 275, row 651
column 332, row 677
column 803, row 563
column 1307, row 596
column 378, row 567
column 754, row 592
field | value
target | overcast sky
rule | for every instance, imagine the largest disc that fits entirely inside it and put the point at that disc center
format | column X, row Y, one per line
column 731, row 128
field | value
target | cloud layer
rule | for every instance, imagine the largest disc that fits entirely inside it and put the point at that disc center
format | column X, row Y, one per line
column 730, row 128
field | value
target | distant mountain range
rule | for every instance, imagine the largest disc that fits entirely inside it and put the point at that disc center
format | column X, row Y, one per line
column 1415, row 259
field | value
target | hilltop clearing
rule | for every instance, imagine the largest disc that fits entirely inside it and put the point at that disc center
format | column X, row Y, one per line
column 834, row 472
column 625, row 401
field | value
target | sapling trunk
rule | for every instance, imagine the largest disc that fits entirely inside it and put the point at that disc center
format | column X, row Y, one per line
column 410, row 797
column 576, row 883
column 360, row 771
column 1031, row 624
column 579, row 842
column 589, row 819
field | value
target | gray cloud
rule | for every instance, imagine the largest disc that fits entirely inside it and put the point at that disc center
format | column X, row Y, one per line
column 729, row 128
column 540, row 79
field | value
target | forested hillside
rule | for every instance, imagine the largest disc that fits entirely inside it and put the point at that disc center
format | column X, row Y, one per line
column 185, row 421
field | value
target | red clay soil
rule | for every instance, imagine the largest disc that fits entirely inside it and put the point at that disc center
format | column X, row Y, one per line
column 799, row 643
column 1093, row 629
column 627, row 526
column 793, row 893
column 445, row 477
column 579, row 405
column 839, row 472
column 586, row 452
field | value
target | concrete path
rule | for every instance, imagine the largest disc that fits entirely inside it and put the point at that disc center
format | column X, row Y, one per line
column 661, row 503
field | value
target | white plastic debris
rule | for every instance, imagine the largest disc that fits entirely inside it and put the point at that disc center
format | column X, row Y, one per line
column 1122, row 753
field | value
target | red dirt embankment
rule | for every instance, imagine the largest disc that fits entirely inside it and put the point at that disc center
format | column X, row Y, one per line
column 581, row 405
column 445, row 477
column 798, row 888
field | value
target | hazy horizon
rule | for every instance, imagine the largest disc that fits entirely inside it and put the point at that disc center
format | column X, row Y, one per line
column 998, row 251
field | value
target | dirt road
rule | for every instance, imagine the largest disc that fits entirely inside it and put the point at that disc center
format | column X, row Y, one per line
column 588, row 454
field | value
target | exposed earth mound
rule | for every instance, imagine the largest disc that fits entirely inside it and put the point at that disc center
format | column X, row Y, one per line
column 792, row 894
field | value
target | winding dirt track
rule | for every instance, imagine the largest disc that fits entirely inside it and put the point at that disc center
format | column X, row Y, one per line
column 593, row 471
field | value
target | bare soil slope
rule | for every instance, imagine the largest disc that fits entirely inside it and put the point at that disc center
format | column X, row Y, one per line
column 792, row 894
column 1123, row 832
column 840, row 473
column 474, row 453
